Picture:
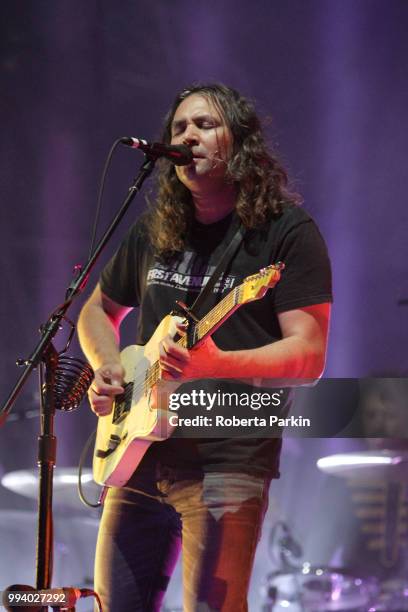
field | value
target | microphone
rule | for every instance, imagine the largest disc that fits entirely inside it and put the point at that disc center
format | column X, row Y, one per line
column 180, row 155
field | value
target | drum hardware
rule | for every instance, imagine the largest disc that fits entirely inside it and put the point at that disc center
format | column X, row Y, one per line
column 284, row 550
column 318, row 589
column 378, row 480
column 65, row 493
column 392, row 597
column 323, row 589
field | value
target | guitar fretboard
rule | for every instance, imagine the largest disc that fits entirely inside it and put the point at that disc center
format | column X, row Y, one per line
column 252, row 288
column 221, row 311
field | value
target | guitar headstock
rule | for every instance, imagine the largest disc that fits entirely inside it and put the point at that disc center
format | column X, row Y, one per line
column 255, row 286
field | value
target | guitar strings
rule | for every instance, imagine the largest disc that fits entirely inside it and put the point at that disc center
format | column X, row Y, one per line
column 144, row 382
column 152, row 375
column 229, row 303
column 202, row 327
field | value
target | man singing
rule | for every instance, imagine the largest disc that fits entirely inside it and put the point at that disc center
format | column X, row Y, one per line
column 207, row 494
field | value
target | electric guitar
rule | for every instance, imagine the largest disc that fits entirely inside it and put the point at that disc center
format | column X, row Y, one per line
column 140, row 414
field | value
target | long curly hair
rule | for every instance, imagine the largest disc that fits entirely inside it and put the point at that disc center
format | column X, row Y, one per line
column 261, row 180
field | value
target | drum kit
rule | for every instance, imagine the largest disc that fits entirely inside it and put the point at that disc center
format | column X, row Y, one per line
column 318, row 589
column 308, row 588
column 74, row 532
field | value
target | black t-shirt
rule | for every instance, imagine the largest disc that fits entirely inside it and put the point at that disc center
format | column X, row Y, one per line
column 136, row 277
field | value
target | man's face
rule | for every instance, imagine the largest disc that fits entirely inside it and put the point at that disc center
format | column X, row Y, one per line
column 199, row 125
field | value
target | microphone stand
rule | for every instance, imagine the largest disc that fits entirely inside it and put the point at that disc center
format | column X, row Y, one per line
column 45, row 356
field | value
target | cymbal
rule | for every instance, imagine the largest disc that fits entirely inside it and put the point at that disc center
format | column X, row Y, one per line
column 65, row 493
column 389, row 465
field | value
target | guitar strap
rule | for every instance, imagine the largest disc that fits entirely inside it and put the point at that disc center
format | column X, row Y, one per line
column 229, row 253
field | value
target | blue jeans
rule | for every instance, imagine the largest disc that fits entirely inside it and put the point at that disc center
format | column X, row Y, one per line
column 215, row 518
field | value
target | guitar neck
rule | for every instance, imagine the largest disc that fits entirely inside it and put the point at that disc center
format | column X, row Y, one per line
column 207, row 325
column 215, row 317
column 254, row 287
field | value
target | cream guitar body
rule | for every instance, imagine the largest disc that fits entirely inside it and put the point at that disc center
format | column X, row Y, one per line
column 140, row 415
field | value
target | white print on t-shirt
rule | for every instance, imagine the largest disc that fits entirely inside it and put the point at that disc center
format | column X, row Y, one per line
column 186, row 272
column 156, row 276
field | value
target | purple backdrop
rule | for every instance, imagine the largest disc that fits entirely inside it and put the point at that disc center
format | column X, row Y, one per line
column 75, row 75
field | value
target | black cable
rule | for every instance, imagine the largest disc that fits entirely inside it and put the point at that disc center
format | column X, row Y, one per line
column 80, row 467
column 100, row 195
column 78, row 269
column 92, row 593
column 98, row 601
column 116, row 143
